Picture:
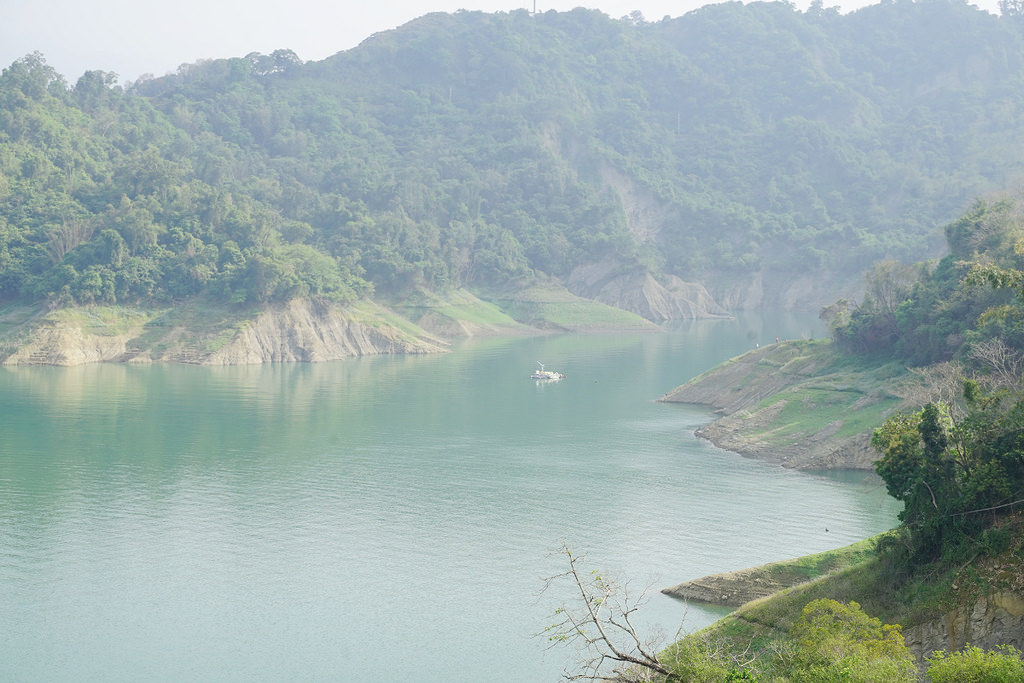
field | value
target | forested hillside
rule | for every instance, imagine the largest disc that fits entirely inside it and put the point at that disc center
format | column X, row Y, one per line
column 768, row 154
column 960, row 308
column 946, row 437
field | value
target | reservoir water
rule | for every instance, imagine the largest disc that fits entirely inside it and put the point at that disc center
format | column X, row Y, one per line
column 377, row 519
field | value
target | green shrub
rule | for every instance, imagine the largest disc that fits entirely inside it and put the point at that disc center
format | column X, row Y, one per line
column 694, row 660
column 974, row 665
column 839, row 642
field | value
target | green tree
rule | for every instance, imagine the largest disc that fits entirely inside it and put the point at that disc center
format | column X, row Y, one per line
column 836, row 641
column 953, row 477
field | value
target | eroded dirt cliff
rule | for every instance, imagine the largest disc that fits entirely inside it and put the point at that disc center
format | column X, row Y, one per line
column 300, row 330
column 637, row 291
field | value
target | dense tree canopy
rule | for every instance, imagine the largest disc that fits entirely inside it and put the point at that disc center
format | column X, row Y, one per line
column 734, row 145
column 943, row 310
column 955, row 477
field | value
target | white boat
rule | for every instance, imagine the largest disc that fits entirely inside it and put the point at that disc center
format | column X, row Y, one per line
column 545, row 374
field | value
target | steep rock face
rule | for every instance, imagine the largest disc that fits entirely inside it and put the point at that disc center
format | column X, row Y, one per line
column 992, row 620
column 304, row 331
column 793, row 290
column 645, row 214
column 736, row 290
column 637, row 291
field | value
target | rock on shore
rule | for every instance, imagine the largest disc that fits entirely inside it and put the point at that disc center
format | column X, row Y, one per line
column 304, row 331
column 730, row 589
column 733, row 589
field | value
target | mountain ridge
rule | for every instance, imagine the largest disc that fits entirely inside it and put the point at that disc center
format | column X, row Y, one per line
column 737, row 157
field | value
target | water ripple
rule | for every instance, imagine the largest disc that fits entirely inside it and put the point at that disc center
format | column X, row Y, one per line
column 307, row 522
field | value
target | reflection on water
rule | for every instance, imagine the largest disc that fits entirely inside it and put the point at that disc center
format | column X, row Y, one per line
column 376, row 519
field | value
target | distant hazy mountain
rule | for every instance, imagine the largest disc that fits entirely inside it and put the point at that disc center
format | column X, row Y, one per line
column 768, row 154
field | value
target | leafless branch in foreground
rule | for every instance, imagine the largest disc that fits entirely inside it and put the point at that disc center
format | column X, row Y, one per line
column 600, row 625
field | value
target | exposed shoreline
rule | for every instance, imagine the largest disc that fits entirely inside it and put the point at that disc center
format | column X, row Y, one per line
column 735, row 588
column 790, row 403
column 795, row 404
column 300, row 330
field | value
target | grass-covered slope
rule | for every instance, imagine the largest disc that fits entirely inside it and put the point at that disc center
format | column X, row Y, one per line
column 944, row 605
column 740, row 587
column 804, row 404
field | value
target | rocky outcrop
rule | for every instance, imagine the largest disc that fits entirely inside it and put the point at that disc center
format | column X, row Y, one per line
column 311, row 332
column 57, row 343
column 649, row 219
column 811, row 450
column 670, row 298
column 730, row 589
column 646, row 215
column 300, row 330
column 992, row 620
column 637, row 291
column 778, row 290
column 987, row 621
column 733, row 589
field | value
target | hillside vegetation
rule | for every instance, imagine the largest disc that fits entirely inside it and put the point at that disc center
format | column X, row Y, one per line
column 949, row 581
column 763, row 154
column 942, row 607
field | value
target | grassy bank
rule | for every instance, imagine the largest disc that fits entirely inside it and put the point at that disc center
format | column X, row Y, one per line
column 458, row 313
column 943, row 595
column 556, row 308
column 800, row 403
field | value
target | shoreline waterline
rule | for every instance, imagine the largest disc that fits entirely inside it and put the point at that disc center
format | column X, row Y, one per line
column 316, row 520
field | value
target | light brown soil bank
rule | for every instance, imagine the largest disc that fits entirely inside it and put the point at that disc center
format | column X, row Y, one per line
column 296, row 331
column 799, row 404
column 641, row 293
column 304, row 330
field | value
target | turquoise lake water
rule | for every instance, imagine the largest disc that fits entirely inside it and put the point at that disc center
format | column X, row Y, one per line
column 378, row 519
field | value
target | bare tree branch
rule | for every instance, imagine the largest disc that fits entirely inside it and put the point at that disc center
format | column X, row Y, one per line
column 938, row 383
column 600, row 624
column 1005, row 365
column 69, row 234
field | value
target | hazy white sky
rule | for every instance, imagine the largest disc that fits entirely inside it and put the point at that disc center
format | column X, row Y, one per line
column 135, row 37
